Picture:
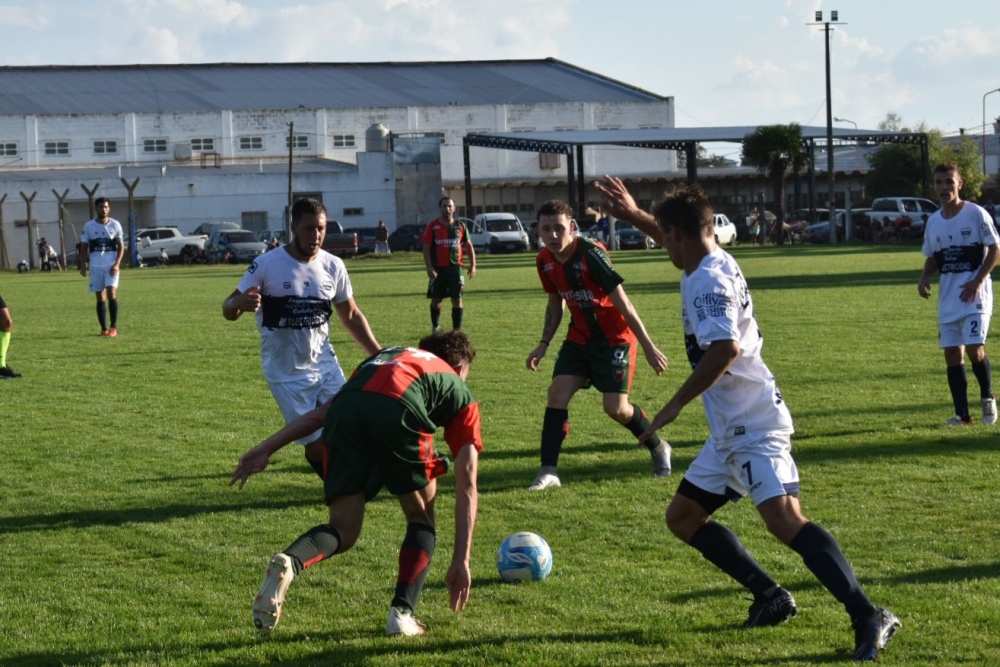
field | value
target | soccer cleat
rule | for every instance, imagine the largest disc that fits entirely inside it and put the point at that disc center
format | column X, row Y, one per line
column 270, row 600
column 873, row 633
column 777, row 609
column 112, row 333
column 402, row 622
column 105, row 333
column 661, row 459
column 959, row 421
column 990, row 410
column 436, row 330
column 546, row 477
column 6, row 373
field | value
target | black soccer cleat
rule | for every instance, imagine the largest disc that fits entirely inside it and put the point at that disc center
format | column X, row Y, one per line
column 6, row 372
column 772, row 611
column 873, row 633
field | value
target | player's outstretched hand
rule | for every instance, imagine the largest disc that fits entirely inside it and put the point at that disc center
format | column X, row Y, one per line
column 617, row 200
column 254, row 461
column 459, row 581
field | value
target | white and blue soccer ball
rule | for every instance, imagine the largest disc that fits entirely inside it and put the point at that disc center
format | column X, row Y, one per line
column 524, row 557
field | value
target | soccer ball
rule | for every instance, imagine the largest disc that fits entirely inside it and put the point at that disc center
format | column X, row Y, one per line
column 524, row 557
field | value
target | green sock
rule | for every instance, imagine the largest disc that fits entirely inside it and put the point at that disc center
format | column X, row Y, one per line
column 4, row 342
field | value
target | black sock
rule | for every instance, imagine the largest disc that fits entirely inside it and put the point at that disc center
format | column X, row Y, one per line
column 638, row 424
column 435, row 317
column 824, row 558
column 102, row 316
column 113, row 311
column 456, row 318
column 983, row 371
column 555, row 428
column 723, row 549
column 414, row 563
column 958, row 384
column 316, row 544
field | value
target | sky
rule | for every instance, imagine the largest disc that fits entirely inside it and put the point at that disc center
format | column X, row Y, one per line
column 725, row 62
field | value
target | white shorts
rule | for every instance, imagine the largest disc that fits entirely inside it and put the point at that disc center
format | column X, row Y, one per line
column 101, row 278
column 970, row 330
column 761, row 468
column 298, row 397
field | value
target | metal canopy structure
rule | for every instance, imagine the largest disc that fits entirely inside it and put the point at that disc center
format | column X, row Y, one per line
column 571, row 143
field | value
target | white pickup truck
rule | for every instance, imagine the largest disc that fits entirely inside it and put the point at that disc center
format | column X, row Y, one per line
column 149, row 242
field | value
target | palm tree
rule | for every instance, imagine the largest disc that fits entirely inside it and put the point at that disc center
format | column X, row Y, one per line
column 772, row 149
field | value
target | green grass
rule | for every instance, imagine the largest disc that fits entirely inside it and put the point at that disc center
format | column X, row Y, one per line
column 121, row 544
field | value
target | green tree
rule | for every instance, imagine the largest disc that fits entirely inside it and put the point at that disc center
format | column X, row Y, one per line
column 772, row 149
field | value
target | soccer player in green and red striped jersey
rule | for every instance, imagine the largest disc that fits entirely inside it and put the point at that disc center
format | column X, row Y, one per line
column 379, row 431
column 445, row 239
column 600, row 347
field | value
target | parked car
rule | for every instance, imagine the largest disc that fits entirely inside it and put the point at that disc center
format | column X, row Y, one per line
column 725, row 230
column 497, row 232
column 149, row 242
column 209, row 228
column 338, row 241
column 406, row 237
column 241, row 243
column 265, row 235
column 894, row 214
column 366, row 238
column 631, row 238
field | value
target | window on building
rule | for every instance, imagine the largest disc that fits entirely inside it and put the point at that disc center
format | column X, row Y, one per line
column 57, row 148
column 105, row 148
column 154, row 145
column 301, row 141
column 251, row 143
column 343, row 141
column 8, row 148
column 254, row 220
column 203, row 144
column 348, row 212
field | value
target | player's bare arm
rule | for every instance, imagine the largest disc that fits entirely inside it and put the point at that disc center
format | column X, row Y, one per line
column 717, row 359
column 470, row 251
column 656, row 359
column 431, row 273
column 970, row 290
column 924, row 284
column 553, row 317
column 459, row 577
column 119, row 254
column 356, row 324
column 620, row 203
column 239, row 302
column 256, row 458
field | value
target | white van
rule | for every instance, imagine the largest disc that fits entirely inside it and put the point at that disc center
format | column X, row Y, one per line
column 498, row 232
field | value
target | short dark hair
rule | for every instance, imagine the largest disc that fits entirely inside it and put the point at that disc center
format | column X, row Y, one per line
column 452, row 346
column 945, row 167
column 101, row 200
column 444, row 199
column 688, row 209
column 555, row 207
column 304, row 205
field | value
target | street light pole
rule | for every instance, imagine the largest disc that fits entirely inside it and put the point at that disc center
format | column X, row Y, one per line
column 984, row 127
column 857, row 146
column 829, row 123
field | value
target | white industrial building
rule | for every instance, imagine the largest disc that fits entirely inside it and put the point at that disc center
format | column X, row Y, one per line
column 201, row 143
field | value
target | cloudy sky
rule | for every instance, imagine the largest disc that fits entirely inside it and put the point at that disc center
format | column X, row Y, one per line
column 725, row 62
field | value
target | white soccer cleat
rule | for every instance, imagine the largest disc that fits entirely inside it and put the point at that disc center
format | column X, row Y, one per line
column 958, row 421
column 270, row 600
column 661, row 459
column 990, row 410
column 546, row 478
column 403, row 623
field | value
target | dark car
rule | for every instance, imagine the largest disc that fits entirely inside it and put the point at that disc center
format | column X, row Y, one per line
column 366, row 238
column 406, row 237
column 630, row 238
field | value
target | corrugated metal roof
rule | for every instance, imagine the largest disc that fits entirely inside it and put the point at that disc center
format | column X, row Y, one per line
column 213, row 87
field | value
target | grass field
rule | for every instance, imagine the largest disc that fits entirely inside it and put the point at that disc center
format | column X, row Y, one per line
column 121, row 544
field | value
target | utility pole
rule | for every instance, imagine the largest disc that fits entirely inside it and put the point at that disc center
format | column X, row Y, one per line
column 831, row 200
column 288, row 211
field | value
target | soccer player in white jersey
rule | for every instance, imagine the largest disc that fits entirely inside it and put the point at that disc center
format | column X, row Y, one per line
column 960, row 242
column 101, row 245
column 293, row 291
column 748, row 451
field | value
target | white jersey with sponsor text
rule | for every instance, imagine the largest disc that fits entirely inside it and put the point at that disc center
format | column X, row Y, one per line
column 745, row 402
column 297, row 299
column 958, row 246
column 102, row 242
